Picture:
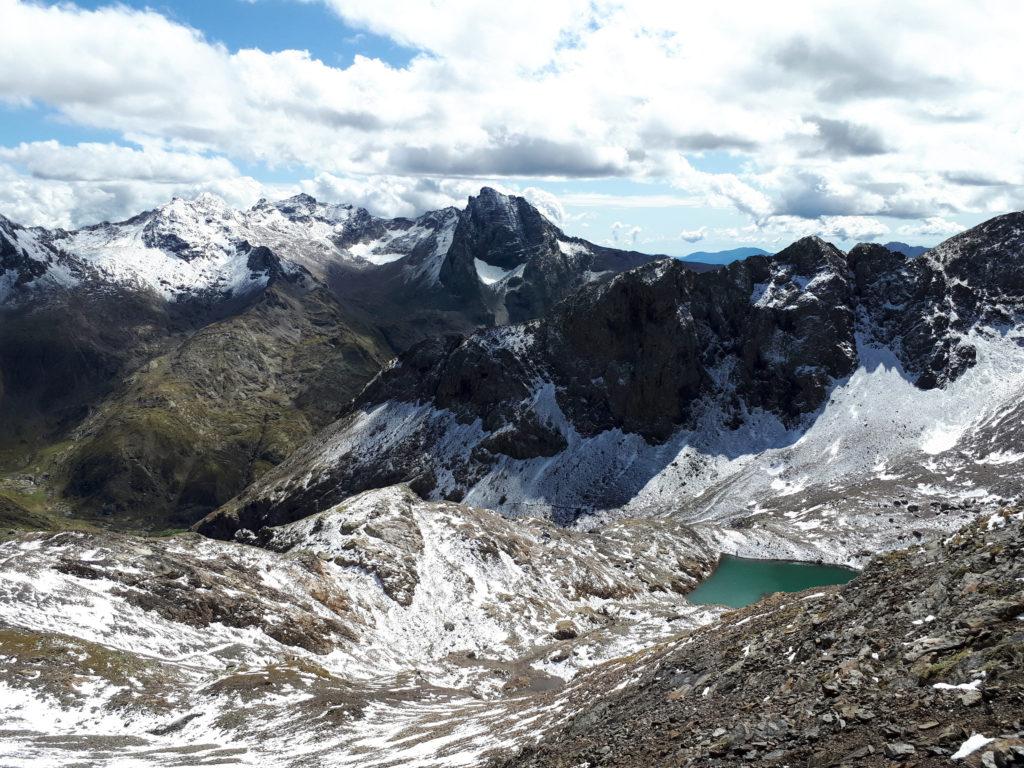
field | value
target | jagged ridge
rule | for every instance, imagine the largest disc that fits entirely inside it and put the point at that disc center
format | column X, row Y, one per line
column 655, row 390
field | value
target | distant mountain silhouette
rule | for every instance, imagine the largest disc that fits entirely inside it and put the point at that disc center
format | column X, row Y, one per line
column 907, row 250
column 724, row 257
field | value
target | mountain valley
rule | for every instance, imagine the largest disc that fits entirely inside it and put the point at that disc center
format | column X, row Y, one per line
column 163, row 363
column 451, row 479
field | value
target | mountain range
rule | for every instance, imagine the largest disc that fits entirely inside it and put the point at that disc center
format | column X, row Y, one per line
column 738, row 254
column 787, row 393
column 907, row 250
column 166, row 361
column 450, row 481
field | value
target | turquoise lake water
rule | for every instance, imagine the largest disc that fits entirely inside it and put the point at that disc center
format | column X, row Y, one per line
column 738, row 581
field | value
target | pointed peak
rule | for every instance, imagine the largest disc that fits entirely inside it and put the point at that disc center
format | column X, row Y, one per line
column 491, row 192
column 210, row 200
column 495, row 207
column 300, row 204
column 204, row 202
column 811, row 254
column 489, row 197
column 303, row 198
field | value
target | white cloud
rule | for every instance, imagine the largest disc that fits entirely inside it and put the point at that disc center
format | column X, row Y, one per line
column 603, row 200
column 390, row 196
column 779, row 230
column 49, row 184
column 835, row 115
column 693, row 235
column 92, row 161
column 520, row 34
column 625, row 235
column 547, row 203
column 932, row 227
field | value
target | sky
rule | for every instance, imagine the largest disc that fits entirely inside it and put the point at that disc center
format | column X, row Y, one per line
column 664, row 127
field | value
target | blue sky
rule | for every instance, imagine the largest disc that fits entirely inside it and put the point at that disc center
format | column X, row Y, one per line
column 274, row 25
column 661, row 128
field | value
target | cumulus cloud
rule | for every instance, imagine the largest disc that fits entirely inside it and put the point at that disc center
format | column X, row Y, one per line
column 390, row 196
column 842, row 138
column 781, row 230
column 49, row 184
column 843, row 110
column 625, row 235
column 92, row 161
column 511, row 156
column 693, row 235
column 547, row 203
column 933, row 227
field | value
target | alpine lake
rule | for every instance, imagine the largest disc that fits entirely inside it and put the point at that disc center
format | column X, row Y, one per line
column 739, row 581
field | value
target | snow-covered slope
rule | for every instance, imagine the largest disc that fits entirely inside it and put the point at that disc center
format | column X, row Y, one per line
column 382, row 631
column 203, row 248
column 822, row 404
column 185, row 248
column 26, row 258
column 117, row 339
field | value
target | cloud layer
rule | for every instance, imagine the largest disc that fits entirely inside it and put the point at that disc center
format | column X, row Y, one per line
column 834, row 111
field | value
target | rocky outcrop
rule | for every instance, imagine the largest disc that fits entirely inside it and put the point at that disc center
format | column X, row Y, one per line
column 426, row 625
column 17, row 266
column 659, row 372
column 916, row 661
column 198, row 345
column 529, row 264
column 654, row 345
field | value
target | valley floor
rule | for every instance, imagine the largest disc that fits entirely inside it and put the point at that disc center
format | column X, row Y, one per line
column 388, row 631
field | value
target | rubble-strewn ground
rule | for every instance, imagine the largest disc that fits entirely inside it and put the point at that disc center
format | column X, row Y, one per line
column 915, row 662
column 383, row 631
column 388, row 631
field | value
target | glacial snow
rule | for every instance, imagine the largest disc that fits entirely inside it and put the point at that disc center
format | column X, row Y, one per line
column 811, row 491
column 490, row 274
column 194, row 247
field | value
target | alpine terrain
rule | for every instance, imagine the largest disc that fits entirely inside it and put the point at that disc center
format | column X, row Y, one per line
column 152, row 368
column 450, row 481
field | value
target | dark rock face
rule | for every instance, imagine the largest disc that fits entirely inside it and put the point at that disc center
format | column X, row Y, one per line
column 15, row 259
column 660, row 349
column 659, row 341
column 507, row 229
column 924, row 306
column 638, row 353
column 907, row 303
column 262, row 261
column 847, row 676
column 507, row 232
